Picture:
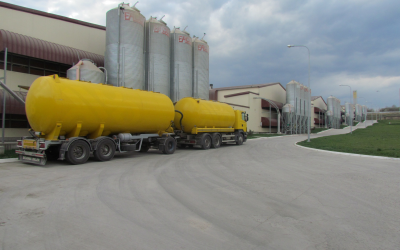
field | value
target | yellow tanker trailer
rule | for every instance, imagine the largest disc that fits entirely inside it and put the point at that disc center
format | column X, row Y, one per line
column 208, row 123
column 71, row 119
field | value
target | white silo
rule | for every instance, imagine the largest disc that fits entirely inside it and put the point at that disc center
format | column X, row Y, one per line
column 157, row 58
column 330, row 112
column 86, row 70
column 288, row 112
column 347, row 113
column 124, row 57
column 200, row 68
column 181, row 65
column 292, row 98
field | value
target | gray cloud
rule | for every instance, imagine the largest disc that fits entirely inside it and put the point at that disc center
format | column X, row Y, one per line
column 352, row 42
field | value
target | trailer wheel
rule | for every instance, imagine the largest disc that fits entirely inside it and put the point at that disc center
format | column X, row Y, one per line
column 78, row 152
column 239, row 140
column 206, row 141
column 105, row 150
column 52, row 153
column 169, row 145
column 216, row 140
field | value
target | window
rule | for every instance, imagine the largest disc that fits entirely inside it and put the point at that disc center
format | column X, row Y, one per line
column 33, row 66
column 15, row 121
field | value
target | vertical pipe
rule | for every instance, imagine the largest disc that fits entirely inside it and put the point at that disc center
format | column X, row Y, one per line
column 119, row 41
column 4, row 97
column 279, row 122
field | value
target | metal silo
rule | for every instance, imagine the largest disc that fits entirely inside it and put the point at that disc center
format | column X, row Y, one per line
column 357, row 112
column 86, row 70
column 306, row 108
column 124, row 57
column 181, row 65
column 330, row 112
column 292, row 96
column 347, row 113
column 200, row 68
column 289, row 115
column 157, row 59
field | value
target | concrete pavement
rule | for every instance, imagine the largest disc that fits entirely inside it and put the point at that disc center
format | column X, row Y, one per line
column 265, row 194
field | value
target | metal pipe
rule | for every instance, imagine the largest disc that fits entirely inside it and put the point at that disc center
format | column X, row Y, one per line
column 105, row 73
column 119, row 41
column 5, row 87
column 4, row 95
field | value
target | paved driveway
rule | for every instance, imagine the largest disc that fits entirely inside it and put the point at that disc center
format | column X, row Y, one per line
column 266, row 194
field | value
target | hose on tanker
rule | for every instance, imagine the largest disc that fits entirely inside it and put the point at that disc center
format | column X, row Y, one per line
column 180, row 121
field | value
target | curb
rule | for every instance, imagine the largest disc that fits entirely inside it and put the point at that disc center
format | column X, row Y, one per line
column 341, row 153
column 8, row 160
column 273, row 137
column 323, row 131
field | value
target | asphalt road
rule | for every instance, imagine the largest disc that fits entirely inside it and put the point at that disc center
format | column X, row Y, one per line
column 265, row 194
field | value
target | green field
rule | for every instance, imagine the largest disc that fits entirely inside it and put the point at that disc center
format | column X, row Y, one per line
column 381, row 139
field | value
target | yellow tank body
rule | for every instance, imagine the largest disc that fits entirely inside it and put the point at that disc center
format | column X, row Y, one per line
column 58, row 106
column 198, row 113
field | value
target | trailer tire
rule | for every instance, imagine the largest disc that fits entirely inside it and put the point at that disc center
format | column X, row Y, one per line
column 78, row 152
column 105, row 150
column 239, row 140
column 216, row 140
column 169, row 145
column 53, row 153
column 206, row 141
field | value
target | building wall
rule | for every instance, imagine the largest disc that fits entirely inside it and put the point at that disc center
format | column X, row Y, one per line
column 15, row 78
column 252, row 106
column 319, row 103
column 53, row 30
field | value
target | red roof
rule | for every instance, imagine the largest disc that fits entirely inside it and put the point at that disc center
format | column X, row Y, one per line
column 266, row 121
column 33, row 47
column 266, row 104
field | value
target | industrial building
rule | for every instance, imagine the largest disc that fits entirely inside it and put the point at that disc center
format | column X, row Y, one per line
column 260, row 101
column 39, row 44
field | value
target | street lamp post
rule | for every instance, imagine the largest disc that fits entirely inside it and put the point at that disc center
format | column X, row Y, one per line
column 351, row 113
column 309, row 87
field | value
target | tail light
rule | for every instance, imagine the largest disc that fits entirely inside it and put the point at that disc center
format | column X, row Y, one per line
column 19, row 143
column 42, row 145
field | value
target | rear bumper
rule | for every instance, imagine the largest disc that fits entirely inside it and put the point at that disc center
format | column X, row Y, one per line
column 33, row 157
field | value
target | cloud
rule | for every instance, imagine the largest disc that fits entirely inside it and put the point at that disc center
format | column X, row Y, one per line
column 351, row 41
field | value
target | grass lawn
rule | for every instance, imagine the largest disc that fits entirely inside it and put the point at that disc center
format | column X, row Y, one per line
column 317, row 130
column 9, row 154
column 381, row 139
column 253, row 136
column 343, row 126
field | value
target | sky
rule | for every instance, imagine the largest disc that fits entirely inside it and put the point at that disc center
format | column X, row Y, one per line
column 351, row 42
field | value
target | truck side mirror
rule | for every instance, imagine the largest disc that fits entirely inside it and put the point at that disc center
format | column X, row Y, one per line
column 247, row 117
